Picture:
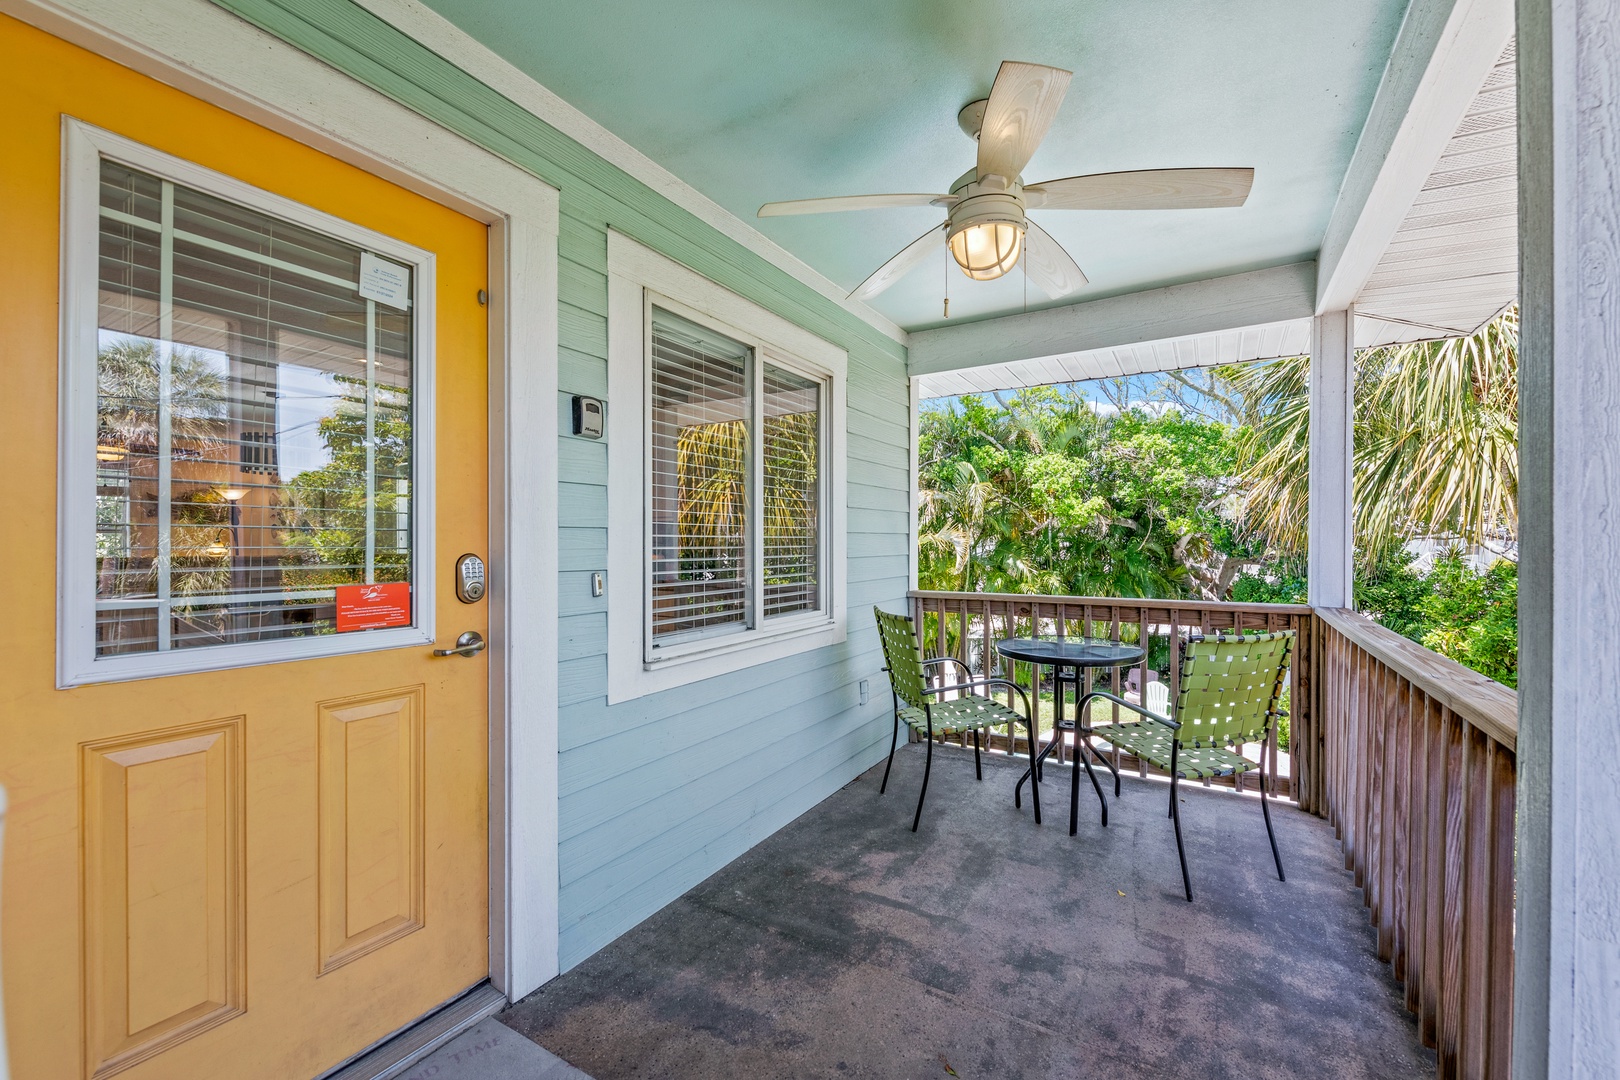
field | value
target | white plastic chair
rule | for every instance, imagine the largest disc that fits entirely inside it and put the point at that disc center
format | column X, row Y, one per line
column 1158, row 697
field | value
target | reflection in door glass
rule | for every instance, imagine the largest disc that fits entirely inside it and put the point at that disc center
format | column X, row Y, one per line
column 254, row 448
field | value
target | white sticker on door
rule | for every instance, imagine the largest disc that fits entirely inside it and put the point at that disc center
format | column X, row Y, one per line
column 385, row 282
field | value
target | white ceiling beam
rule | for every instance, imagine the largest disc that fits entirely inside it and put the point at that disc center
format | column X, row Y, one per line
column 1441, row 57
column 1272, row 295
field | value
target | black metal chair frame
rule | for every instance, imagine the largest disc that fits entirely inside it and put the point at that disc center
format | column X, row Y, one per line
column 1175, row 780
column 978, row 765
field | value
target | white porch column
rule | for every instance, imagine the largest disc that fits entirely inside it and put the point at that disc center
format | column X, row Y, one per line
column 1567, row 940
column 1332, row 534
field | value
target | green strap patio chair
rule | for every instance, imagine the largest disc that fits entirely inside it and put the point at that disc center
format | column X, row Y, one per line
column 908, row 679
column 1230, row 686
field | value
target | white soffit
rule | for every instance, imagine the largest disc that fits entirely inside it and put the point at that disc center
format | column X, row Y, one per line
column 1288, row 338
column 1454, row 261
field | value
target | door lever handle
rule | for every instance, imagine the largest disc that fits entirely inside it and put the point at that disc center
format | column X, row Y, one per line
column 468, row 644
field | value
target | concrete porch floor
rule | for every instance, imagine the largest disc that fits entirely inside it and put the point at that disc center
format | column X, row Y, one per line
column 985, row 946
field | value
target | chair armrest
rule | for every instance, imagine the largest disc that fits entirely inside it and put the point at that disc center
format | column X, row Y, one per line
column 1131, row 705
column 951, row 660
column 1008, row 683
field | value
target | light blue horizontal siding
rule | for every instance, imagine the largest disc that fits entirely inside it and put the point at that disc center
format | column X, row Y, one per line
column 580, row 461
column 581, row 548
column 658, row 873
column 659, row 793
column 574, row 597
column 581, row 636
column 581, row 502
column 581, row 374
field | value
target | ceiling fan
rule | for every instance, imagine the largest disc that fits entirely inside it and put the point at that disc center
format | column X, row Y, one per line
column 986, row 228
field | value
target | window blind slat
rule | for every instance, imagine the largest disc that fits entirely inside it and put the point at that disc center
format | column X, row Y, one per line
column 699, row 394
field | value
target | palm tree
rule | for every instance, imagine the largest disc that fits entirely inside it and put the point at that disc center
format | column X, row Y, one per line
column 1442, row 440
column 1436, row 443
column 711, row 478
column 954, row 520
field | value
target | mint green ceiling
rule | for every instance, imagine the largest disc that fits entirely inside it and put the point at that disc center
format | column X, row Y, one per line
column 751, row 101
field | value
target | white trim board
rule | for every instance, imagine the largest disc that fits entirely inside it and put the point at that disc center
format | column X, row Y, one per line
column 633, row 271
column 914, row 396
column 1262, row 342
column 205, row 51
column 1256, row 298
column 470, row 55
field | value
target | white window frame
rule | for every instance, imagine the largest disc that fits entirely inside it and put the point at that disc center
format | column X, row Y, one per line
column 640, row 279
column 757, row 624
column 84, row 148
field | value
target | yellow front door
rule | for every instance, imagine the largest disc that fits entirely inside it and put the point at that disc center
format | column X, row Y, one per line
column 247, row 834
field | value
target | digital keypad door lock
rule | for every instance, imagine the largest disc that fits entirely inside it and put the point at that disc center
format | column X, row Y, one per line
column 470, row 585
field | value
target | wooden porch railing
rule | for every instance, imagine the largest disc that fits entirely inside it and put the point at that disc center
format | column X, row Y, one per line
column 968, row 625
column 1409, row 755
column 1419, row 772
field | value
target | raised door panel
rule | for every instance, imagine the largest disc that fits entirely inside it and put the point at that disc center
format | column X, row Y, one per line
column 162, row 816
column 371, row 860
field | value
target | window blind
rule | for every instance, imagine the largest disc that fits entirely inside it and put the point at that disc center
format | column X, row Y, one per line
column 699, row 420
column 792, row 447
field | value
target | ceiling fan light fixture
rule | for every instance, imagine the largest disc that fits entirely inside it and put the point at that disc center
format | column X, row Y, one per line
column 986, row 232
column 988, row 249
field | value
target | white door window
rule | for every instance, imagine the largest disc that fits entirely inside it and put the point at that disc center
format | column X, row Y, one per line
column 248, row 408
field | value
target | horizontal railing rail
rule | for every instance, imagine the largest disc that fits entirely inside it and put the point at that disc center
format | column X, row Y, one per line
column 1419, row 767
column 968, row 625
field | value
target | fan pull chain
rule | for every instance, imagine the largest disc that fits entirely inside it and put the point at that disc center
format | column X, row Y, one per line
column 1023, row 264
column 947, row 288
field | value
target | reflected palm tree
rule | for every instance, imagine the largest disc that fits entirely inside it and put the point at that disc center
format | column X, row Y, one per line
column 129, row 403
column 129, row 397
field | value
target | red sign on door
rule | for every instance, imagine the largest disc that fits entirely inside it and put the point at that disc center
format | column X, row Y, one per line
column 372, row 607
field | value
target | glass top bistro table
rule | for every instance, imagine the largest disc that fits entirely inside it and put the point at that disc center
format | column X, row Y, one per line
column 1066, row 656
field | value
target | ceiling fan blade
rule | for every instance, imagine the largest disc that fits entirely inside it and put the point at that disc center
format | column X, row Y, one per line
column 851, row 202
column 1143, row 189
column 901, row 265
column 1048, row 265
column 1023, row 103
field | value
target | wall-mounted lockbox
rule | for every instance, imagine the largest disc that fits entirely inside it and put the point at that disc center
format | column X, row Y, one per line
column 587, row 417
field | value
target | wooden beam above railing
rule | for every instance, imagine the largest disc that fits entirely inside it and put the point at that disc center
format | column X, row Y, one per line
column 1482, row 702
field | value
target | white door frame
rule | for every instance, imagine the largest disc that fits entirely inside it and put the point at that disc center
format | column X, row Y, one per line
column 205, row 51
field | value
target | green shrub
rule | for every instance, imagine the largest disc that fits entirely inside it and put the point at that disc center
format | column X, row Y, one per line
column 1474, row 618
column 1282, row 717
